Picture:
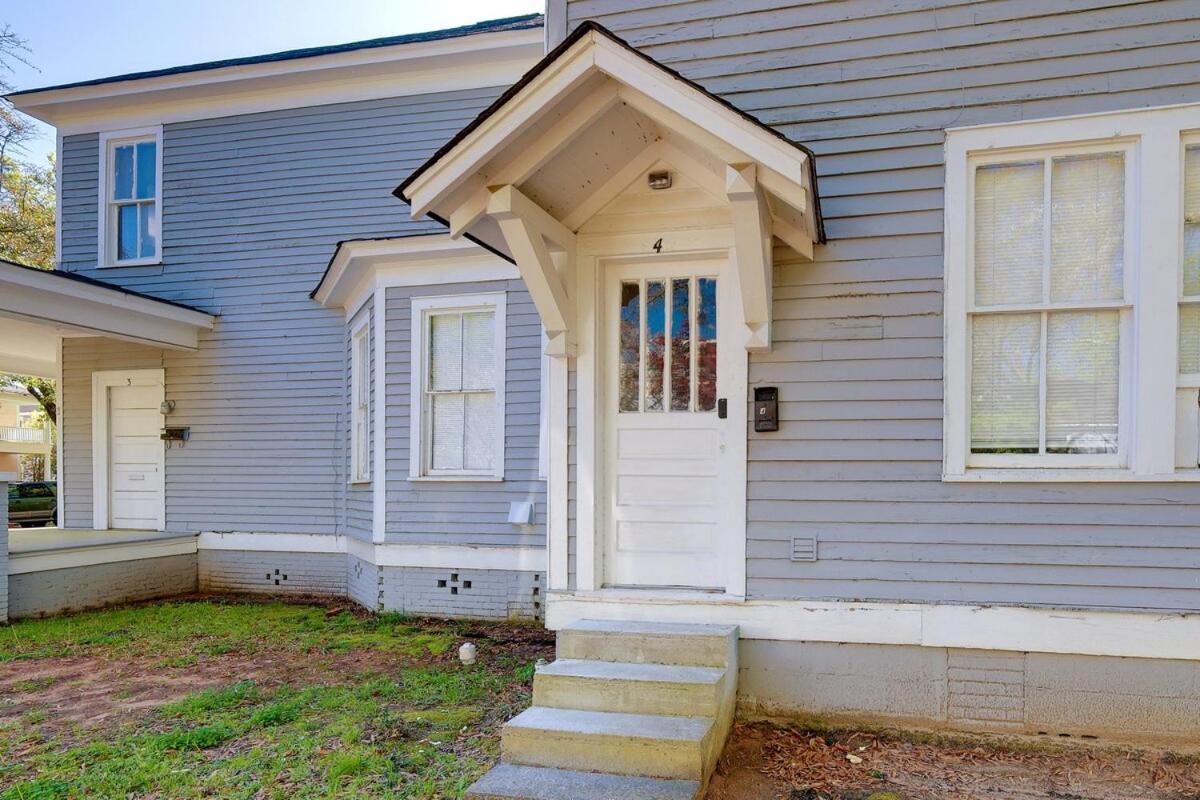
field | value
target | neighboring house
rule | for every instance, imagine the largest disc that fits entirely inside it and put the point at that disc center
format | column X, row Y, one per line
column 878, row 341
column 20, row 435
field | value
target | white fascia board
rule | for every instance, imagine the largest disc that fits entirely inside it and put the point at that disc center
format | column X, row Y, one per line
column 1010, row 628
column 46, row 280
column 359, row 267
column 486, row 59
column 468, row 155
column 100, row 315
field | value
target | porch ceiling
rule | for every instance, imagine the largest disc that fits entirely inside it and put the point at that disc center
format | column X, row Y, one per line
column 583, row 125
column 38, row 307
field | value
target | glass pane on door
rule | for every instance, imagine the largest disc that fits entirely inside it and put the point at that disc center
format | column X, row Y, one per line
column 667, row 345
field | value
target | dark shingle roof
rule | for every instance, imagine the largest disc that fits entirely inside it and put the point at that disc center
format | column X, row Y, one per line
column 524, row 22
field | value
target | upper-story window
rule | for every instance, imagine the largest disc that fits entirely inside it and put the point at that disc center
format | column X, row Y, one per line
column 458, row 387
column 131, row 197
column 1072, row 298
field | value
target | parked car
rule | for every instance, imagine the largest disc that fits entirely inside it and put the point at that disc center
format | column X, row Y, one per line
column 32, row 503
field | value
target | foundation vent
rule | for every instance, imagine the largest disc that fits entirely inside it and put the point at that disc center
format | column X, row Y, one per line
column 804, row 548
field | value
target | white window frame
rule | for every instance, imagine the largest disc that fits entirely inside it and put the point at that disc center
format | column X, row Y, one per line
column 1154, row 141
column 106, row 221
column 360, row 414
column 423, row 308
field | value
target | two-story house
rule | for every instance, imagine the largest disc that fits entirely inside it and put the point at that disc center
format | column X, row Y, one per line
column 869, row 329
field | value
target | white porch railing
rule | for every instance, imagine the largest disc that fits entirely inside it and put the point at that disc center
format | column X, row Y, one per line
column 23, row 435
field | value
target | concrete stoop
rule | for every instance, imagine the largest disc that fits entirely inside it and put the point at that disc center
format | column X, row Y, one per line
column 629, row 710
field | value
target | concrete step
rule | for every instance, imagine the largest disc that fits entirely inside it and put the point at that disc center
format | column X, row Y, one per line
column 649, row 643
column 512, row 782
column 629, row 688
column 646, row 745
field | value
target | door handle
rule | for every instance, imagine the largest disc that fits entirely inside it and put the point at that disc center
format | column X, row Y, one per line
column 722, row 408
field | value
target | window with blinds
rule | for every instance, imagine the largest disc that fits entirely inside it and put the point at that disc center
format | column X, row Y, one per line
column 1189, row 299
column 360, row 403
column 1048, row 306
column 461, row 397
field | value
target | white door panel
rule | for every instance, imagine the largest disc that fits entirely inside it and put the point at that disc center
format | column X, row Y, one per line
column 135, row 476
column 668, row 360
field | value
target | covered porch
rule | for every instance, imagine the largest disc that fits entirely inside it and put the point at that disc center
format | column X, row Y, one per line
column 47, row 570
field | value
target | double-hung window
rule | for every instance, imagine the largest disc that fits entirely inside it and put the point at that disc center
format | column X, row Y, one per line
column 1072, row 298
column 131, row 197
column 1049, row 307
column 360, row 402
column 457, row 429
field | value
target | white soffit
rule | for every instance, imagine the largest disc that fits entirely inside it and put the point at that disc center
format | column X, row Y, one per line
column 359, row 265
column 58, row 304
column 596, row 81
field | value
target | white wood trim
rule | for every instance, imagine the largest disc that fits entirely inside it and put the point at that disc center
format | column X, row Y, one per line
column 93, row 554
column 497, row 302
column 502, row 557
column 649, row 88
column 101, row 381
column 557, row 489
column 60, row 489
column 1153, row 140
column 105, row 226
column 589, row 453
column 359, row 473
column 486, row 59
column 461, row 557
column 359, row 266
column 1011, row 628
column 58, row 171
column 379, row 419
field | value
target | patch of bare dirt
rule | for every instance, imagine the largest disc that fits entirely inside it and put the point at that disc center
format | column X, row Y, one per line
column 92, row 691
column 766, row 762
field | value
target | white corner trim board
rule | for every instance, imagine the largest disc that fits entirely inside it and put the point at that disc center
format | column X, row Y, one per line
column 1011, row 628
column 505, row 557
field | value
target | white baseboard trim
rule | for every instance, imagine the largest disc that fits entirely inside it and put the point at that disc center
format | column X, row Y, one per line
column 1013, row 628
column 92, row 555
column 438, row 556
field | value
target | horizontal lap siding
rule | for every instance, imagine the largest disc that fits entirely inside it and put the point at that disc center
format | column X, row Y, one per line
column 467, row 512
column 253, row 207
column 870, row 88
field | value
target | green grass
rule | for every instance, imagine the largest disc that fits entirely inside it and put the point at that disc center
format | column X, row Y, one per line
column 425, row 728
column 177, row 633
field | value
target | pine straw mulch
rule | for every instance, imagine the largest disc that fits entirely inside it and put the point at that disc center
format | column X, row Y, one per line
column 799, row 764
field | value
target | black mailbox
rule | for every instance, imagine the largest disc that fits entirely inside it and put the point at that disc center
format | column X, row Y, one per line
column 766, row 408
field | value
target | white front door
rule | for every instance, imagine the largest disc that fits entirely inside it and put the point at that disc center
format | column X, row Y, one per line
column 135, row 479
column 673, row 406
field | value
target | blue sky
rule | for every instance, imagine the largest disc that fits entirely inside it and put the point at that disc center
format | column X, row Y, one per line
column 73, row 40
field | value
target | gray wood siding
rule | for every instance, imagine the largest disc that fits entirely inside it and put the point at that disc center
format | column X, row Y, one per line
column 870, row 86
column 253, row 207
column 467, row 512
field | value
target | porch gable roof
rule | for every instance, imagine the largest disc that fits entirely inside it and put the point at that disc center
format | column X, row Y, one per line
column 524, row 177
